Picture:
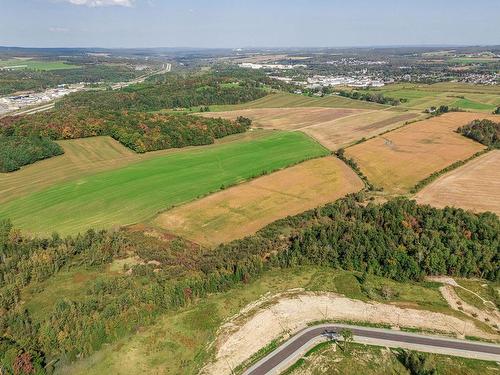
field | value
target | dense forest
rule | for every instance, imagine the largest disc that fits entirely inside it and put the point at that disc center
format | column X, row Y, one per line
column 173, row 92
column 17, row 151
column 484, row 131
column 125, row 115
column 374, row 97
column 398, row 239
column 139, row 131
column 26, row 80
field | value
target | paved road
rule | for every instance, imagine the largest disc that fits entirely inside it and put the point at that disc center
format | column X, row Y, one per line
column 289, row 350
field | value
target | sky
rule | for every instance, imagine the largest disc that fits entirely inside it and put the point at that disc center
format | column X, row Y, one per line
column 247, row 23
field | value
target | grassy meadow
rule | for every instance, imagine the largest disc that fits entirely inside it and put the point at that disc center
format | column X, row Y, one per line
column 138, row 191
column 465, row 96
column 19, row 64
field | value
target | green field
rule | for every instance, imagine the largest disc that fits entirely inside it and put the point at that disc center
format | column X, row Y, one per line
column 136, row 192
column 474, row 60
column 18, row 64
column 469, row 104
column 465, row 96
column 284, row 100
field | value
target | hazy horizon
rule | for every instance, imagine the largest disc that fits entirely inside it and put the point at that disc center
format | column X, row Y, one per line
column 239, row 24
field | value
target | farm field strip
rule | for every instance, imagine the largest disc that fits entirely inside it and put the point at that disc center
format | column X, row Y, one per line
column 245, row 208
column 86, row 156
column 397, row 160
column 35, row 64
column 474, row 186
column 468, row 97
column 347, row 130
column 285, row 100
column 137, row 192
column 332, row 127
column 287, row 118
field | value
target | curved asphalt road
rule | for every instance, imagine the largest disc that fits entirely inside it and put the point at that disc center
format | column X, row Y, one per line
column 284, row 353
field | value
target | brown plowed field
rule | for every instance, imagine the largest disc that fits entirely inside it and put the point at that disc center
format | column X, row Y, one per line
column 244, row 209
column 474, row 186
column 287, row 118
column 399, row 159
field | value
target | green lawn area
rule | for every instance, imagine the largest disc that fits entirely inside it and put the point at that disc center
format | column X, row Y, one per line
column 469, row 104
column 139, row 191
column 35, row 64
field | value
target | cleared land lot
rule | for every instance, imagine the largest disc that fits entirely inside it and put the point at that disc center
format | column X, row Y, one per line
column 398, row 160
column 474, row 186
column 332, row 127
column 139, row 191
column 287, row 118
column 244, row 209
column 347, row 130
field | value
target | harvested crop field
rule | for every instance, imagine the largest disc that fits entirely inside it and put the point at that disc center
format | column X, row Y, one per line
column 474, row 186
column 244, row 209
column 332, row 127
column 347, row 130
column 397, row 160
column 287, row 118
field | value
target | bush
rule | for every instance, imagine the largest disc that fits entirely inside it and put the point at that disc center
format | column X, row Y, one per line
column 484, row 131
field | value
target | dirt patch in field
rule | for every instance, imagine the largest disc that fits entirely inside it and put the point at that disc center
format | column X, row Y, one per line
column 474, row 186
column 244, row 209
column 399, row 159
column 287, row 118
column 347, row 130
column 282, row 315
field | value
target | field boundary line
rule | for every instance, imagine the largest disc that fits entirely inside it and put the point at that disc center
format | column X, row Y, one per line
column 434, row 176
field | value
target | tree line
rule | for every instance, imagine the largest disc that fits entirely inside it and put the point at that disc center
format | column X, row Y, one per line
column 374, row 97
column 399, row 240
column 140, row 131
column 16, row 151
